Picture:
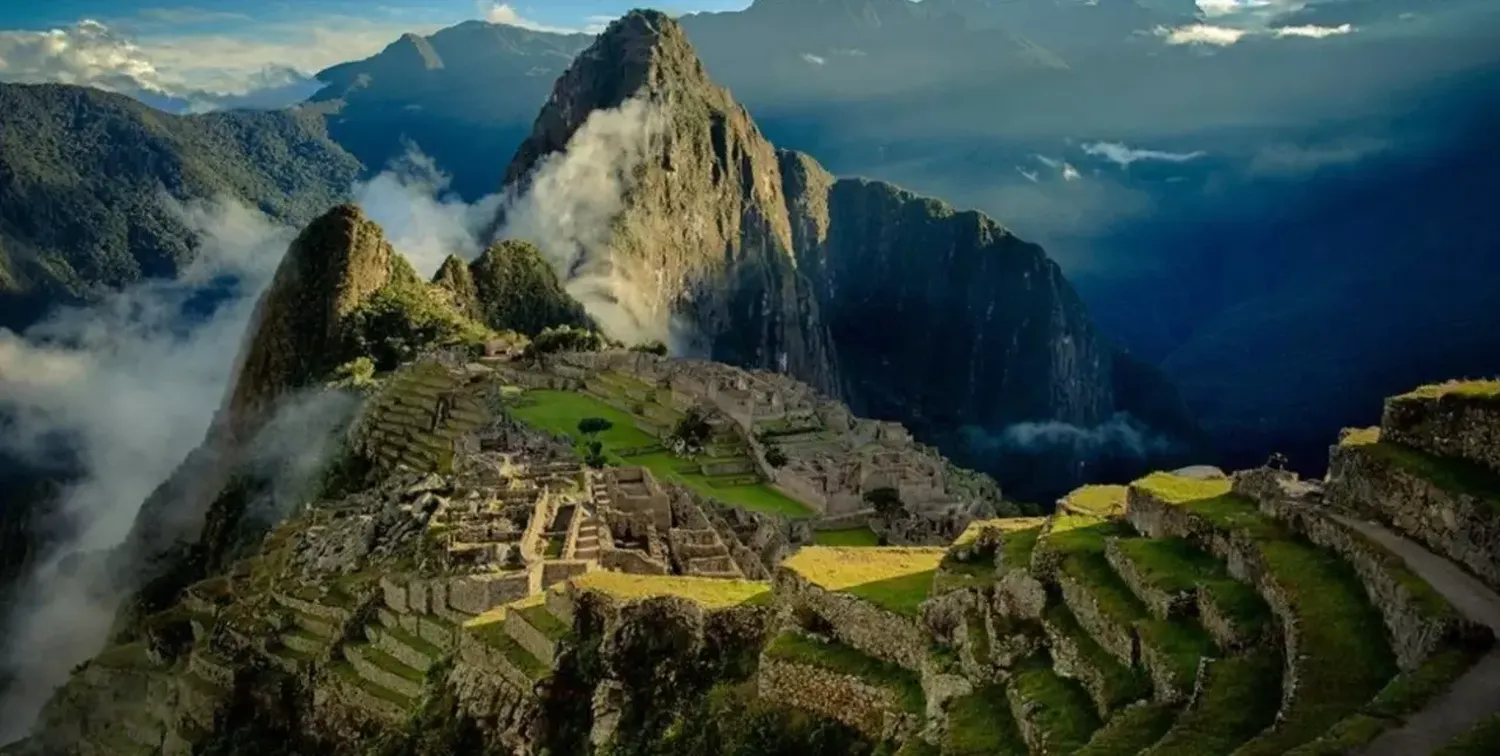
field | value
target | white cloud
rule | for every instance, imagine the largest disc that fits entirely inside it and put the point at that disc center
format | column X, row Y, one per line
column 1313, row 32
column 568, row 208
column 424, row 222
column 1122, row 155
column 1069, row 173
column 505, row 13
column 132, row 382
column 1031, row 176
column 1293, row 159
column 1201, row 34
column 201, row 69
column 814, row 59
column 1219, row 8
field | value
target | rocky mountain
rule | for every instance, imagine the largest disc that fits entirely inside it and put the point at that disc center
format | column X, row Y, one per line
column 465, row 96
column 82, row 172
column 901, row 305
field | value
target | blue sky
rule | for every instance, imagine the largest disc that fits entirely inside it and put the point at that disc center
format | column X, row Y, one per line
column 231, row 47
column 218, row 14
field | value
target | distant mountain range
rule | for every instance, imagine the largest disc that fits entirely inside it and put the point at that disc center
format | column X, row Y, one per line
column 1073, row 123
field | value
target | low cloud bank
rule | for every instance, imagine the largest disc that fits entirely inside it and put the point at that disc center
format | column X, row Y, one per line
column 423, row 220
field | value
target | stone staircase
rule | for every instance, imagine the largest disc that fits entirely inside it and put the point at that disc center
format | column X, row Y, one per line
column 520, row 642
column 586, row 544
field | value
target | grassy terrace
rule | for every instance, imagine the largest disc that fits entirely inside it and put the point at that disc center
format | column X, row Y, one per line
column 493, row 634
column 1182, row 642
column 1403, row 696
column 1239, row 699
column 1173, row 565
column 1455, row 475
column 710, row 592
column 538, row 617
column 346, row 672
column 1122, row 684
column 862, row 536
column 1343, row 659
column 980, row 724
column 1486, row 389
column 387, row 662
column 1015, row 550
column 1482, row 740
column 836, row 657
column 1131, row 731
column 1059, row 708
column 1095, row 501
column 560, row 411
column 892, row 578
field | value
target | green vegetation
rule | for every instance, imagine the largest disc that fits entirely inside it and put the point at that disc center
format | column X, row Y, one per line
column 979, row 636
column 1484, row 389
column 710, row 592
column 346, row 672
column 1095, row 501
column 895, row 579
column 1482, row 740
column 562, row 411
column 732, row 720
column 953, row 575
column 1059, row 708
column 1182, row 643
column 1403, row 696
column 517, row 290
column 538, row 617
column 1240, row 698
column 387, row 662
column 493, row 634
column 1016, row 547
column 1173, row 565
column 980, row 724
column 83, row 205
column 1081, row 534
column 1116, row 602
column 1122, row 684
column 394, row 324
column 1131, row 731
column 861, row 536
column 836, row 657
column 1342, row 658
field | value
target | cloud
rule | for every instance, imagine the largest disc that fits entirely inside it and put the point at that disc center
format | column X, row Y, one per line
column 421, row 218
column 1293, row 159
column 1222, row 8
column 1122, row 155
column 131, row 385
column 1312, row 32
column 1028, row 175
column 814, row 59
column 1121, row 434
column 568, row 207
column 169, row 62
column 505, row 13
column 1201, row 34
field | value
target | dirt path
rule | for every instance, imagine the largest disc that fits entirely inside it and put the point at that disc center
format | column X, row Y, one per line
column 1474, row 696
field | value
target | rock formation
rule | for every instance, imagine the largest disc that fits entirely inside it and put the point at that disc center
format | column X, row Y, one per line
column 516, row 290
column 902, row 306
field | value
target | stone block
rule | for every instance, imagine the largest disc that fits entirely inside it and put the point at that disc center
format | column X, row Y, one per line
column 1162, row 604
column 1113, row 635
column 360, row 658
column 394, row 594
column 857, row 623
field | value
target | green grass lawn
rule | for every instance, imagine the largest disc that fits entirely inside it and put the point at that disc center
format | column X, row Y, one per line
column 560, row 412
column 980, row 724
column 861, row 536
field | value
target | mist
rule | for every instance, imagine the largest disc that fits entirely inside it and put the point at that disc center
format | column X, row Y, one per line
column 1120, row 436
column 422, row 218
column 568, row 208
column 130, row 385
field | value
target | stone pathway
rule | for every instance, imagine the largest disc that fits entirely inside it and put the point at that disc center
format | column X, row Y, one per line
column 1474, row 696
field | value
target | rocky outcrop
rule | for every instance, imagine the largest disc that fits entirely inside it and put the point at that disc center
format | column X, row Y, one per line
column 1459, row 420
column 454, row 278
column 515, row 289
column 902, row 306
column 298, row 325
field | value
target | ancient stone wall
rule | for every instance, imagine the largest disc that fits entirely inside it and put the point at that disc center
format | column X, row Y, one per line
column 1460, row 525
column 874, row 711
column 1449, row 425
column 877, row 632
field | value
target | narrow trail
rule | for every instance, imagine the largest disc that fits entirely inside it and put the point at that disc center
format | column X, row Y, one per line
column 1473, row 697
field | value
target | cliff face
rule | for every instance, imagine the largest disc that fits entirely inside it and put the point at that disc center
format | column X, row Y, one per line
column 515, row 289
column 898, row 304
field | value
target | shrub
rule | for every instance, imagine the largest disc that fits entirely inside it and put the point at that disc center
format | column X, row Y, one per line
column 775, row 457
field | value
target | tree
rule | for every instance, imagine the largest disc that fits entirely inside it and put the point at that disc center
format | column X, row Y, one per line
column 595, row 457
column 694, row 429
column 775, row 457
column 651, row 347
column 593, row 426
column 886, row 502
